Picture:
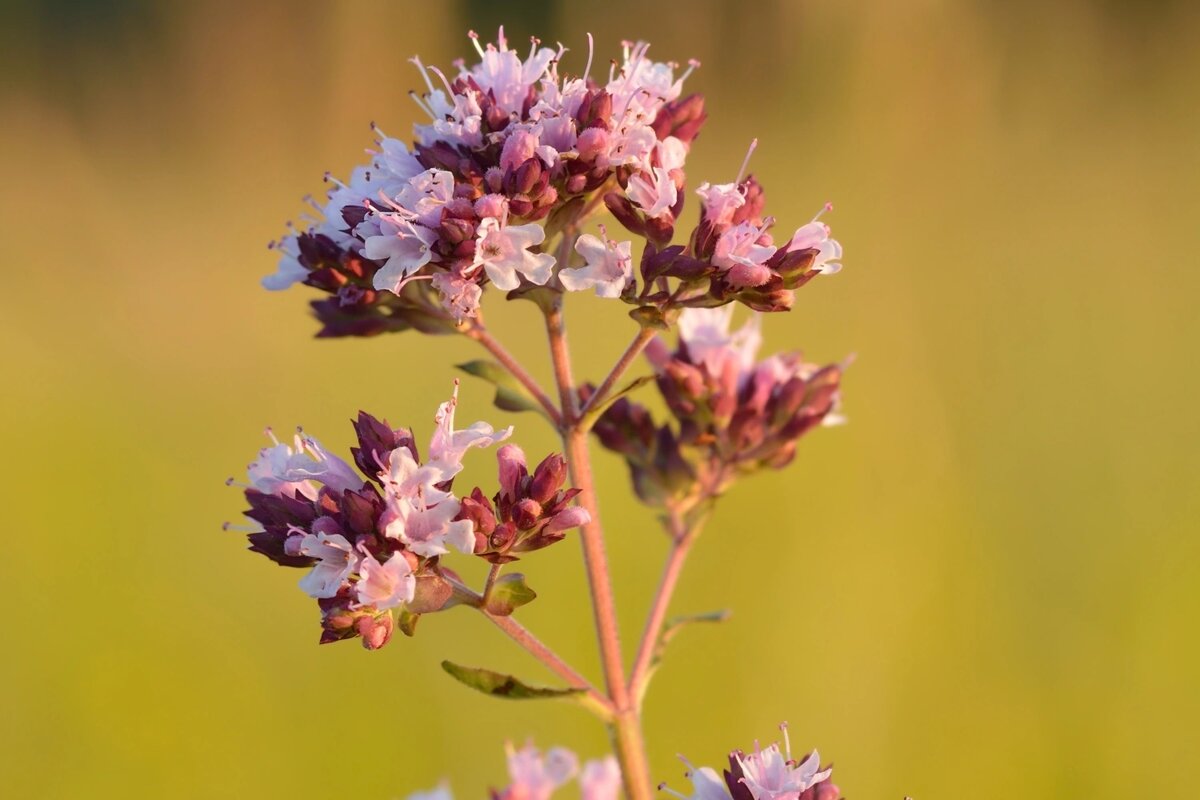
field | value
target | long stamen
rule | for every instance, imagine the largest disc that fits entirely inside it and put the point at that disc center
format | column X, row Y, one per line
column 787, row 742
column 591, row 48
column 270, row 433
column 442, row 75
column 746, row 161
column 693, row 65
column 824, row 208
column 420, row 102
column 424, row 74
column 475, row 41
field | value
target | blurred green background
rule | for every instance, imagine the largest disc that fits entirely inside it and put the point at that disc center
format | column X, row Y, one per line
column 985, row 586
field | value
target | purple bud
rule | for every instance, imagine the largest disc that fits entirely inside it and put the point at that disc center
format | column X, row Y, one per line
column 527, row 513
column 548, row 478
column 512, row 471
column 622, row 208
column 571, row 517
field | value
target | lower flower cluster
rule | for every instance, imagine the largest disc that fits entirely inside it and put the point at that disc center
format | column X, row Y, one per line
column 764, row 774
column 373, row 545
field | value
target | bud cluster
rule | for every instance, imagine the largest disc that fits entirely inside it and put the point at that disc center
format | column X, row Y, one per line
column 733, row 415
column 373, row 545
column 515, row 153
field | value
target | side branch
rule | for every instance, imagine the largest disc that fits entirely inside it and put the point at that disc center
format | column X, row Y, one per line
column 521, row 635
column 479, row 333
column 635, row 348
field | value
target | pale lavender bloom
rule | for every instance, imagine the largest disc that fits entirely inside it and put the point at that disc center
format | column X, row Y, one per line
column 385, row 585
column 441, row 792
column 397, row 159
column 284, row 469
column 290, row 271
column 641, row 87
column 740, row 252
column 336, row 561
column 448, row 446
column 503, row 251
column 600, row 779
column 570, row 517
column 770, row 775
column 425, row 194
column 608, row 268
column 536, row 777
column 707, row 784
column 815, row 235
column 705, row 333
column 630, row 146
column 405, row 246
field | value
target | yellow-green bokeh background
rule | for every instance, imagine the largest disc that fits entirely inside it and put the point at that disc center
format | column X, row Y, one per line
column 984, row 587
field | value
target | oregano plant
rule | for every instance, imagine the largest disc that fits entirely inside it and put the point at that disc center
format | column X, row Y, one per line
column 499, row 195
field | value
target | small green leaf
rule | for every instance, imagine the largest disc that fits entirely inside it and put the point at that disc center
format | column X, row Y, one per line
column 510, row 394
column 508, row 594
column 407, row 621
column 500, row 685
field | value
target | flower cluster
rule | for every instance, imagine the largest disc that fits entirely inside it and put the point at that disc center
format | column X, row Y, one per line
column 513, row 154
column 733, row 415
column 765, row 774
column 536, row 776
column 373, row 545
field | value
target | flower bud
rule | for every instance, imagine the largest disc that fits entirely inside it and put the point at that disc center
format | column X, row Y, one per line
column 527, row 513
column 548, row 478
column 513, row 471
column 376, row 631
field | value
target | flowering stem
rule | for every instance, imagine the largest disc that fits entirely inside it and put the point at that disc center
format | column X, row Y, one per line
column 493, row 574
column 626, row 724
column 635, row 348
column 682, row 538
column 476, row 330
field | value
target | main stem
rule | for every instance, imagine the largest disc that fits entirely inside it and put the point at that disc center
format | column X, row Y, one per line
column 626, row 725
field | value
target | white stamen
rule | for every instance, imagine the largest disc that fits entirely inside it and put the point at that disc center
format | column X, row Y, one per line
column 424, row 74
column 746, row 161
column 420, row 102
column 591, row 48
column 269, row 432
column 824, row 208
column 787, row 742
column 442, row 75
column 693, row 65
column 475, row 41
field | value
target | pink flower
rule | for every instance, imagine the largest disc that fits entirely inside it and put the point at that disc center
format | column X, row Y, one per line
column 503, row 252
column 742, row 254
column 460, row 296
column 720, row 202
column 427, row 528
column 385, row 585
column 336, row 561
column 705, row 333
column 706, row 784
column 425, row 194
column 770, row 775
column 600, row 779
column 815, row 236
column 536, row 777
column 448, row 446
column 608, row 267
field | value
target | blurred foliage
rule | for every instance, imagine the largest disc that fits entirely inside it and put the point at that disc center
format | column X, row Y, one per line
column 985, row 586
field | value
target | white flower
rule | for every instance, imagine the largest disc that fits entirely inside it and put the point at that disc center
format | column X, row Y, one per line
column 705, row 333
column 385, row 585
column 609, row 267
column 290, row 271
column 448, row 446
column 706, row 784
column 459, row 296
column 655, row 192
column 630, row 145
column 441, row 792
column 405, row 247
column 427, row 529
column 503, row 251
column 284, row 469
column 335, row 563
column 425, row 194
column 769, row 775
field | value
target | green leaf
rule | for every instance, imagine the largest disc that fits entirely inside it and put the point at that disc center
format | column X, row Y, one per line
column 670, row 628
column 500, row 685
column 407, row 621
column 510, row 394
column 508, row 594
